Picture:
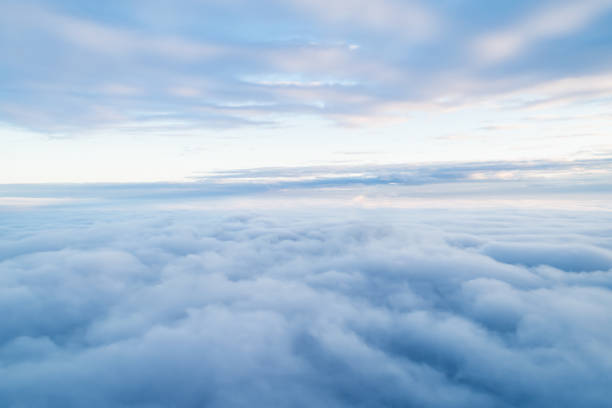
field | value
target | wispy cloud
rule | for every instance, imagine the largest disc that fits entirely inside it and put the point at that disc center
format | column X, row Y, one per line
column 555, row 20
column 528, row 183
column 351, row 64
column 411, row 20
column 96, row 37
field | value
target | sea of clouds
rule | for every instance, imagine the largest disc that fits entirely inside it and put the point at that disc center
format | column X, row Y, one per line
column 111, row 307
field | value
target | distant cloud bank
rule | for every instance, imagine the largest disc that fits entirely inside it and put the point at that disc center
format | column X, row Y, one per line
column 582, row 183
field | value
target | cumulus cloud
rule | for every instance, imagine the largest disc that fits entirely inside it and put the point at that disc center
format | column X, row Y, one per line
column 110, row 307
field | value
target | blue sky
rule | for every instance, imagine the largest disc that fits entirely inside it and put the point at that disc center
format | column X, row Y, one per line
column 166, row 91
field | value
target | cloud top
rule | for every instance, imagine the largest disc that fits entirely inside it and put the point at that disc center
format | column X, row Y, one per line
column 373, row 309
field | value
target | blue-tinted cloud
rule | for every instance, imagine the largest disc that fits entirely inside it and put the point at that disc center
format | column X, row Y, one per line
column 216, row 64
column 379, row 308
column 536, row 180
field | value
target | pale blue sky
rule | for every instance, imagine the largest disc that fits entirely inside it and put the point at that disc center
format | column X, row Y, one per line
column 169, row 90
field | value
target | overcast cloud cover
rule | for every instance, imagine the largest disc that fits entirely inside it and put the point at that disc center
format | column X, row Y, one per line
column 133, row 305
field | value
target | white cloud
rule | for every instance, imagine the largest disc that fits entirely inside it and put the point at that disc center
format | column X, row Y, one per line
column 559, row 19
column 107, row 39
column 336, row 309
column 407, row 19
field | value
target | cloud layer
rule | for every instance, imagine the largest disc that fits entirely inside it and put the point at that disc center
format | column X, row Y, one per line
column 118, row 65
column 336, row 308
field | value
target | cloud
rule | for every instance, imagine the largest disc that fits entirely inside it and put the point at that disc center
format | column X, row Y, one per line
column 577, row 184
column 349, row 64
column 564, row 257
column 111, row 307
column 410, row 19
column 561, row 92
column 114, row 41
column 470, row 179
column 559, row 19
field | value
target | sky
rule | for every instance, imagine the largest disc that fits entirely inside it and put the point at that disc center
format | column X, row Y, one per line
column 167, row 91
column 305, row 203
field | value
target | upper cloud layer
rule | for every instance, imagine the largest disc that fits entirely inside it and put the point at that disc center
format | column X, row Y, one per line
column 347, row 62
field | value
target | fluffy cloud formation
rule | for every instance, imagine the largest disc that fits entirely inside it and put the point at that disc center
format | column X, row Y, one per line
column 361, row 308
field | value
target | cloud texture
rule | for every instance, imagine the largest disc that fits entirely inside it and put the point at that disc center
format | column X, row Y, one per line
column 208, row 64
column 335, row 309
